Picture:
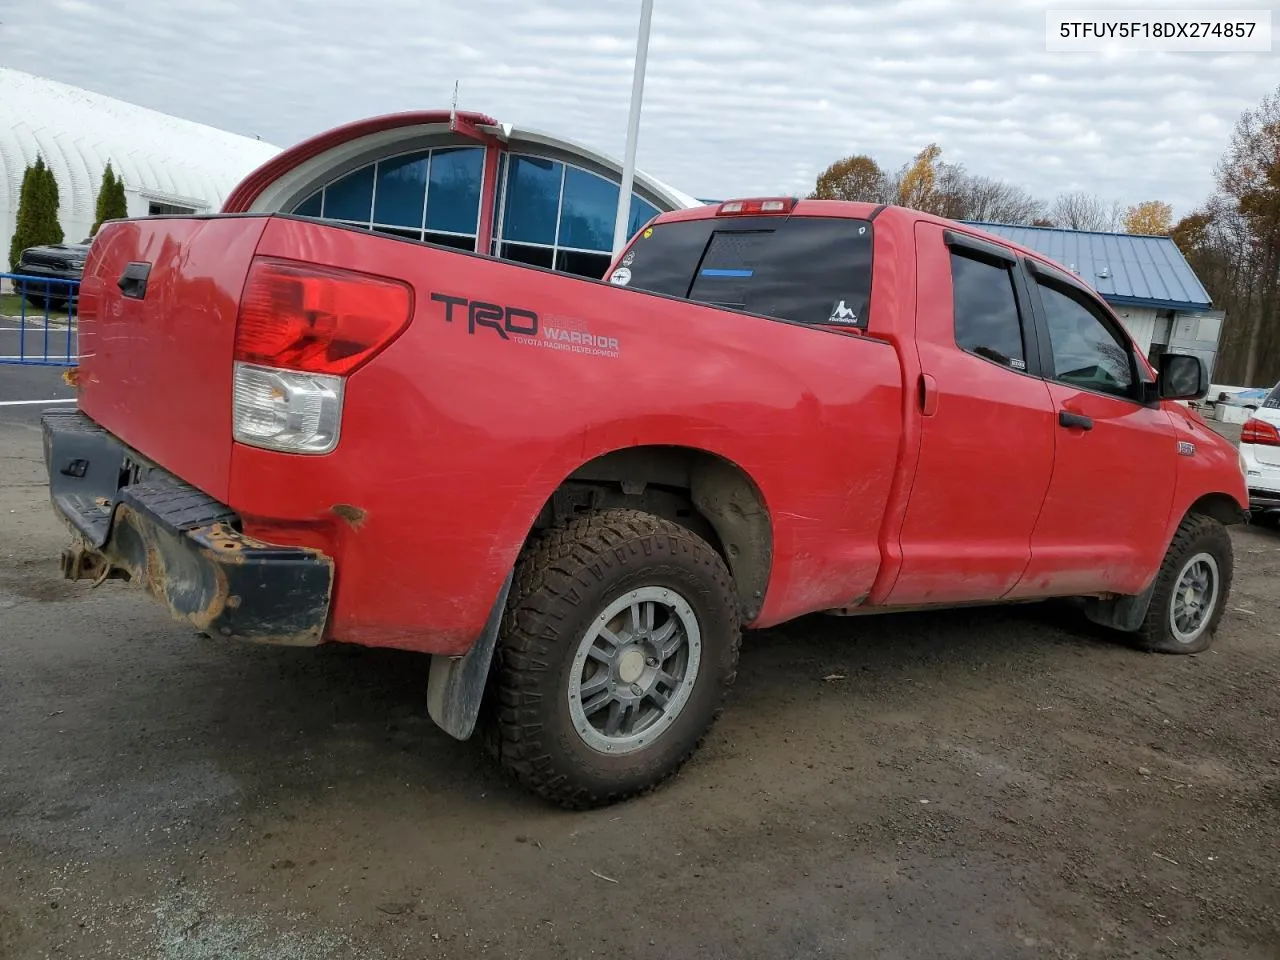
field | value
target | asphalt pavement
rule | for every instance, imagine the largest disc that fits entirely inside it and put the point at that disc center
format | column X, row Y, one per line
column 26, row 388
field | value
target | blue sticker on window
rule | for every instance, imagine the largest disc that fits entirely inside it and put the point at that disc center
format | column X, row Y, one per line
column 711, row 272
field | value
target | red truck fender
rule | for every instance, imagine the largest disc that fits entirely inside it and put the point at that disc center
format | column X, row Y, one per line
column 722, row 493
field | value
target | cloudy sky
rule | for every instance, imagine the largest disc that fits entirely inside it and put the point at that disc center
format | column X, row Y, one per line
column 743, row 96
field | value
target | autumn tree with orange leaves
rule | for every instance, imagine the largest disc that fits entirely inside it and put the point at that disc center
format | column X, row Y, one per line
column 853, row 178
column 1151, row 217
column 1233, row 244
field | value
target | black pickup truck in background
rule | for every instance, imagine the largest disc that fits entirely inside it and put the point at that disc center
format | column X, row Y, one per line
column 57, row 261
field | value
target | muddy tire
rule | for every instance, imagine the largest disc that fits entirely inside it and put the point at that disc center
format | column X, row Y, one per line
column 1191, row 589
column 617, row 649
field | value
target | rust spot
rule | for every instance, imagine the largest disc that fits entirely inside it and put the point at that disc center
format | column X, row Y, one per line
column 353, row 515
column 223, row 542
column 71, row 377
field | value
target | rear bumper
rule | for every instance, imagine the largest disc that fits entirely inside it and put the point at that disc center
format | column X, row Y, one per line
column 1263, row 480
column 131, row 520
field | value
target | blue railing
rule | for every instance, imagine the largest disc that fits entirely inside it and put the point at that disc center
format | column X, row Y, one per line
column 38, row 320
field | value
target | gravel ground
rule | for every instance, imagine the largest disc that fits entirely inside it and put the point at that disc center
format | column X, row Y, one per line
column 984, row 783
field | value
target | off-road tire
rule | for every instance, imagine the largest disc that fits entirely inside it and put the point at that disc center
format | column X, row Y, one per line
column 562, row 583
column 1197, row 534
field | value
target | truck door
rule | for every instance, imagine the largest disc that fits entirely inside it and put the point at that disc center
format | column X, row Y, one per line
column 1104, row 522
column 987, row 425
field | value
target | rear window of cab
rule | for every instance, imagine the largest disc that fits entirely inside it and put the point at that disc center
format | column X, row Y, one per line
column 810, row 270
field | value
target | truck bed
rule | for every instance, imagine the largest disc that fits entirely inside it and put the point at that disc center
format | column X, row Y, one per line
column 506, row 380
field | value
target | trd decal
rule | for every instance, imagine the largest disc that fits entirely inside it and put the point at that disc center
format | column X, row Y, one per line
column 566, row 334
column 503, row 320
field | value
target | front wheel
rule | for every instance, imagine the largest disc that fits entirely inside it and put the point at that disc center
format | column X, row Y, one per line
column 1191, row 589
column 617, row 649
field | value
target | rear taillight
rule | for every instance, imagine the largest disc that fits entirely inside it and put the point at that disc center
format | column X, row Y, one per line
column 317, row 319
column 1259, row 432
column 301, row 331
column 751, row 208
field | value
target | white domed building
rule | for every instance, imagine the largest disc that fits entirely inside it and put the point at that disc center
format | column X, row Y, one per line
column 459, row 179
column 168, row 165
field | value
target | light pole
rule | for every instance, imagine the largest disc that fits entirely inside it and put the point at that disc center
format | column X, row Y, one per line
column 633, row 129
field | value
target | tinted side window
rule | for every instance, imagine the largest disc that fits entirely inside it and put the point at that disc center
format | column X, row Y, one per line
column 805, row 269
column 1085, row 351
column 986, row 310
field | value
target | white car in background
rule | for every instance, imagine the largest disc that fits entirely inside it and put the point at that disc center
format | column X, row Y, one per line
column 1260, row 448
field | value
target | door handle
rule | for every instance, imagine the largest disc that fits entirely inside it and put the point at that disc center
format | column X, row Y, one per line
column 1068, row 419
column 928, row 395
column 133, row 282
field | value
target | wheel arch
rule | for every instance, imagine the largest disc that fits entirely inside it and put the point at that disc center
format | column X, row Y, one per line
column 1220, row 506
column 719, row 497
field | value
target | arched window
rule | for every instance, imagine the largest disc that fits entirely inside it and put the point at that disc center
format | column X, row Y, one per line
column 553, row 214
column 431, row 195
column 547, row 213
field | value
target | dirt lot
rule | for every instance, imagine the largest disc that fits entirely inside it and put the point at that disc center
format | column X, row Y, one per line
column 987, row 784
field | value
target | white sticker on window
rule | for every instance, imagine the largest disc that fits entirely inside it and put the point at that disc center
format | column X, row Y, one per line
column 621, row 276
column 841, row 314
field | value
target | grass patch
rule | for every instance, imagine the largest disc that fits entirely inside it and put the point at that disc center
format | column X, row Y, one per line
column 11, row 305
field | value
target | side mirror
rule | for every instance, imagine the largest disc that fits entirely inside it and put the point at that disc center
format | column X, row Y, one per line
column 1182, row 377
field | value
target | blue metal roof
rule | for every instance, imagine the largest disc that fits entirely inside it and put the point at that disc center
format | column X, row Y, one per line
column 1124, row 268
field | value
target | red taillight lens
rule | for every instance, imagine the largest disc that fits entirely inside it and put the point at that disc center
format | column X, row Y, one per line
column 1259, row 432
column 317, row 319
column 748, row 208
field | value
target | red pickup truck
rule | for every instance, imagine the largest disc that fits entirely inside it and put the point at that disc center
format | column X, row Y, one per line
column 574, row 494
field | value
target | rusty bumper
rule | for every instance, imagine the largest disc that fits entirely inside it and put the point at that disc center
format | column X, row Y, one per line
column 132, row 521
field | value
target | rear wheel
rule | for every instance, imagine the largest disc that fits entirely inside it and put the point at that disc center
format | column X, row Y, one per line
column 617, row 649
column 1191, row 589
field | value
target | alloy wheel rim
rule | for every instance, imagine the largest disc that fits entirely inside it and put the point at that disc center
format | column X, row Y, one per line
column 1195, row 596
column 634, row 670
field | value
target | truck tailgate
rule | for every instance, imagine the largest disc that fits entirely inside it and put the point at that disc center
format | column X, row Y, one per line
column 157, row 331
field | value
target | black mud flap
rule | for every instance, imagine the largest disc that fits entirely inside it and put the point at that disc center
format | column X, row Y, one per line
column 1120, row 613
column 455, row 685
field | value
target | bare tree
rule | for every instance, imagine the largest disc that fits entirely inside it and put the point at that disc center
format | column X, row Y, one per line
column 1078, row 210
column 949, row 190
column 995, row 201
